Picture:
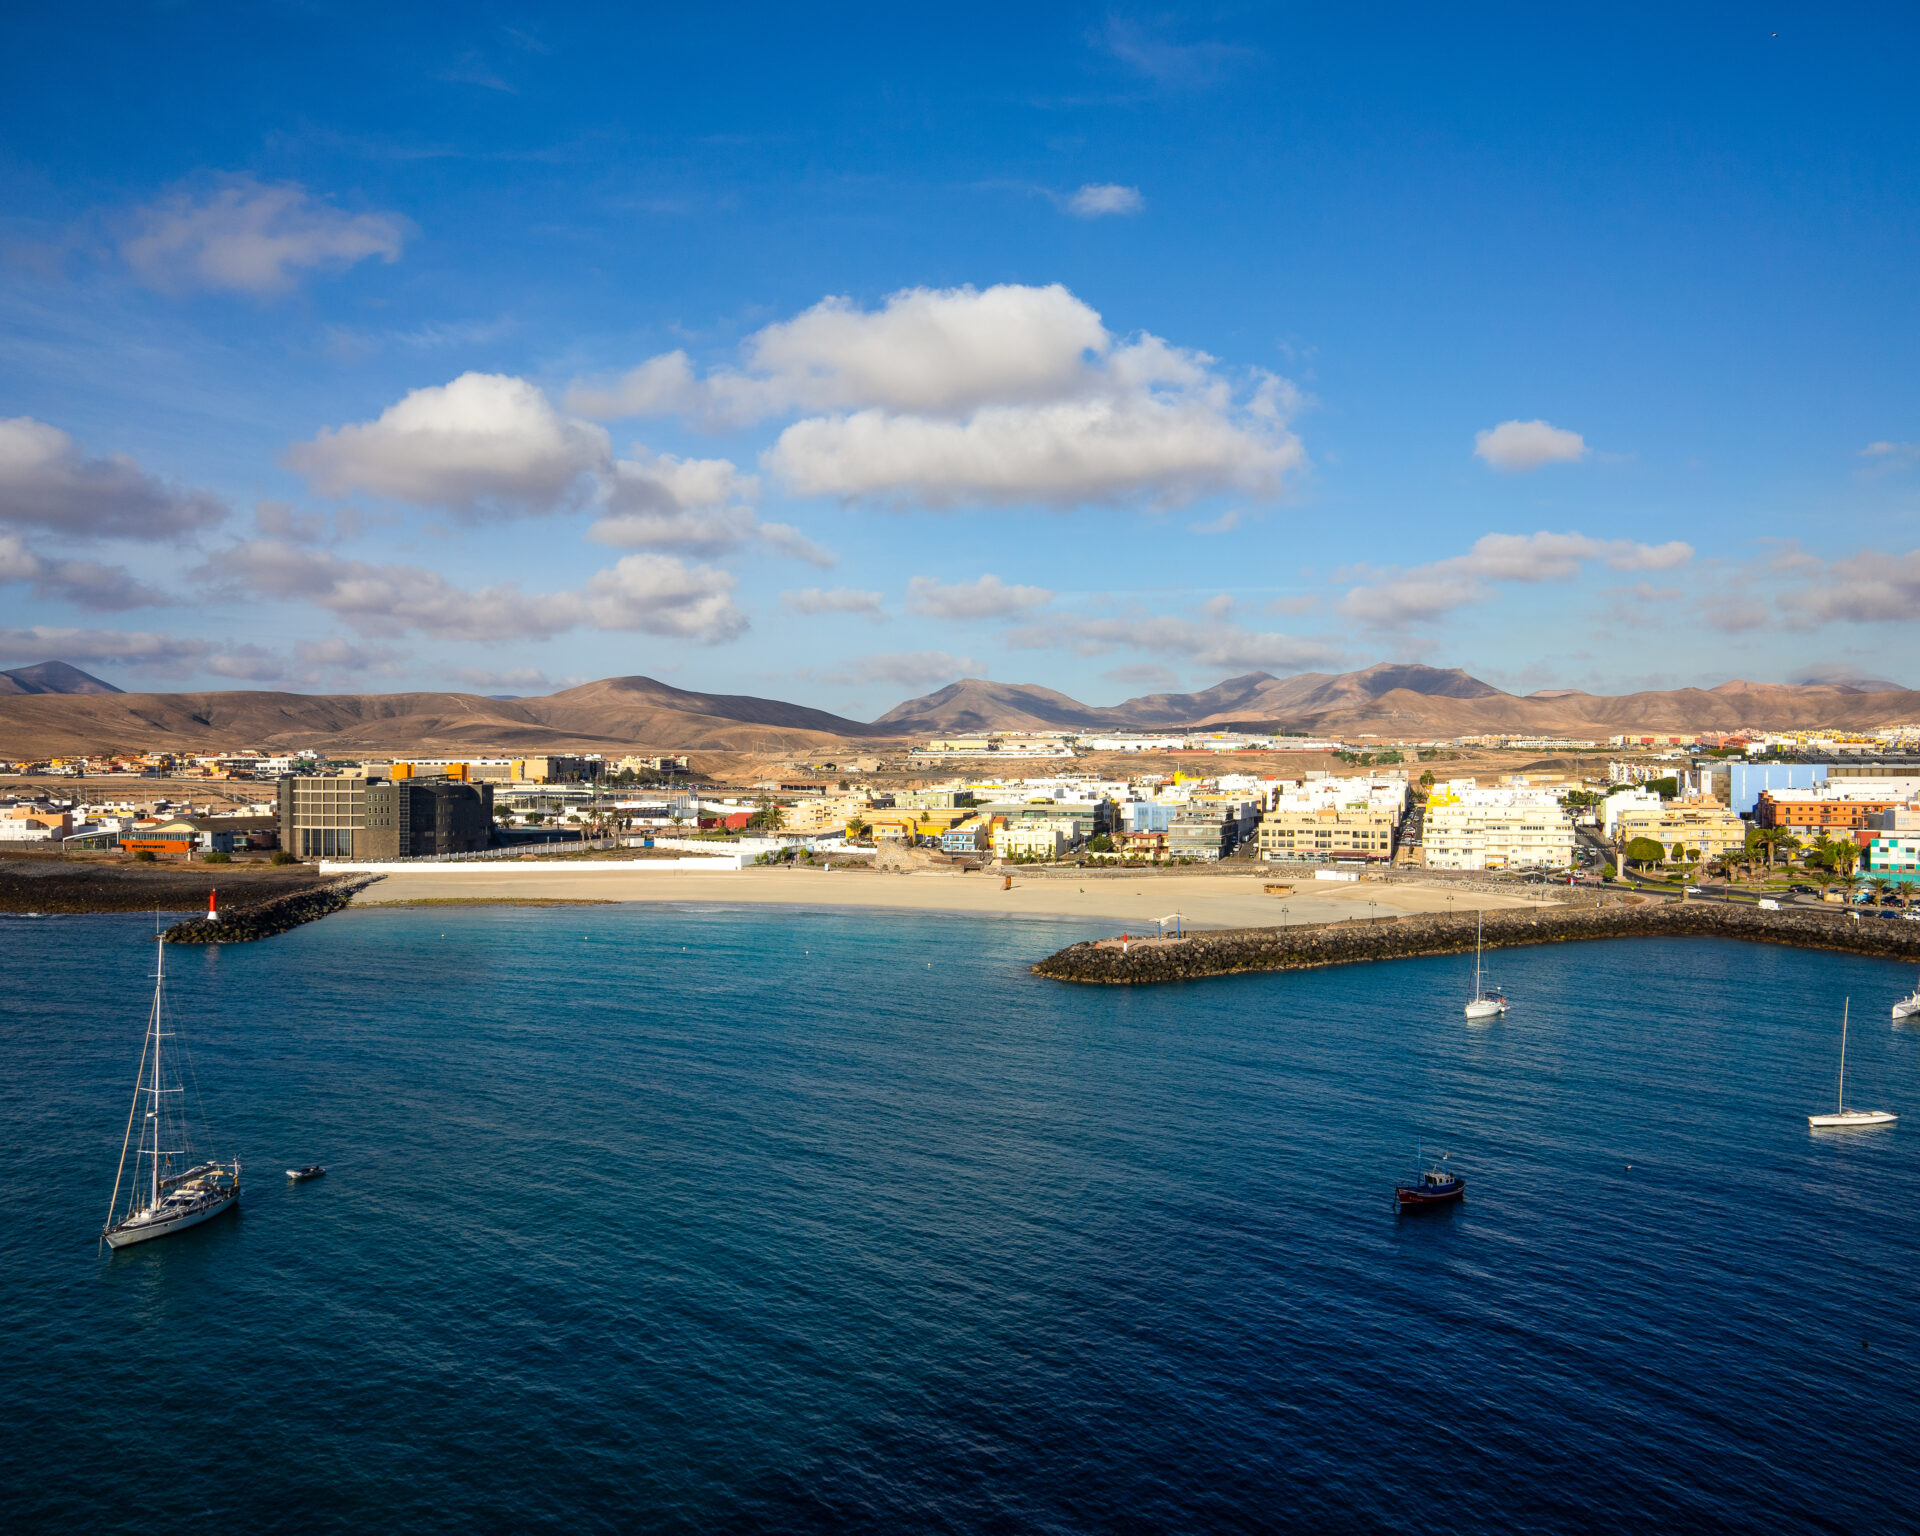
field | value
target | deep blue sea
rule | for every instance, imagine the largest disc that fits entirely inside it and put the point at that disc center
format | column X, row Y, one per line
column 643, row 1219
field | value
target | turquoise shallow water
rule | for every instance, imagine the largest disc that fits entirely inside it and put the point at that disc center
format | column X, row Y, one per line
column 650, row 1219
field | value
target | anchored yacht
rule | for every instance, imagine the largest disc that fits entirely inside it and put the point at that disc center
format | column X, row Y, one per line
column 169, row 1192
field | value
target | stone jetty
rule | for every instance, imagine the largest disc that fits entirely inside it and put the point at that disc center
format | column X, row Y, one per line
column 1230, row 951
column 262, row 920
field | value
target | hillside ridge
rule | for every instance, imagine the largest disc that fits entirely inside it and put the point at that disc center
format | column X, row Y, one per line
column 622, row 713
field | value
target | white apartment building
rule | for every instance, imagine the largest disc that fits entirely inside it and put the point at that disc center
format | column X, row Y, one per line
column 1379, row 794
column 1496, row 829
column 1623, row 801
column 1031, row 836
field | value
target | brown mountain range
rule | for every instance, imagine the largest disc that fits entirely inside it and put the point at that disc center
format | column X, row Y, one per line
column 636, row 712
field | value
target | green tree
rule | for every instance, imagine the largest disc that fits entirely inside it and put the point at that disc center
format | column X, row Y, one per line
column 1100, row 843
column 1844, row 857
column 1646, row 851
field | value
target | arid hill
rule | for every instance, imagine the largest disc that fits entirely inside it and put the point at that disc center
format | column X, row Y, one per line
column 616, row 713
column 638, row 712
column 52, row 677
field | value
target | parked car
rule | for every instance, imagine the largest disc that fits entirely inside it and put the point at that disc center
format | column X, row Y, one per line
column 1802, row 890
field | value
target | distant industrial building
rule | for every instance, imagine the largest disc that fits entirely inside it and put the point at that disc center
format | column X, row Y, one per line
column 319, row 817
column 371, row 818
column 409, row 818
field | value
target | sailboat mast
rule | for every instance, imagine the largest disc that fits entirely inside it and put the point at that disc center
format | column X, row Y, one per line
column 1476, row 957
column 159, row 980
column 1840, row 1106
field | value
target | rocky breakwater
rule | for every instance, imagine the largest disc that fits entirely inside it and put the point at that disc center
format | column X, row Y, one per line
column 263, row 919
column 1230, row 951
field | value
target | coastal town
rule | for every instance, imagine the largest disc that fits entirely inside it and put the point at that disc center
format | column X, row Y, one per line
column 1829, row 814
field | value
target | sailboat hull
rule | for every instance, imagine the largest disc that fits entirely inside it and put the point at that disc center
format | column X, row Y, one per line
column 1907, row 1008
column 136, row 1231
column 1485, row 1010
column 1849, row 1119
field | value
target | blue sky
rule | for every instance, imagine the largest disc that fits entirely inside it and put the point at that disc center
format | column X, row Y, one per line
column 836, row 356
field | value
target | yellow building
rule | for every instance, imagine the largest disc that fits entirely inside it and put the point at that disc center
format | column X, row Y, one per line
column 1346, row 833
column 1702, row 823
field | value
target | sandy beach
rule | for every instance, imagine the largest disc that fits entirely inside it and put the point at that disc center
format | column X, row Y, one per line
column 1130, row 905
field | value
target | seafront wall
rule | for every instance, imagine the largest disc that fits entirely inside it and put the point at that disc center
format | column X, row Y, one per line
column 492, row 868
column 1226, row 952
column 262, row 920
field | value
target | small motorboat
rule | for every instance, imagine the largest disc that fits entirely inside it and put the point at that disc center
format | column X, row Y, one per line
column 1907, row 1010
column 1430, row 1186
column 301, row 1175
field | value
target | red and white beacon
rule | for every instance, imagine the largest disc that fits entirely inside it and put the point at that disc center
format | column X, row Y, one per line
column 213, row 912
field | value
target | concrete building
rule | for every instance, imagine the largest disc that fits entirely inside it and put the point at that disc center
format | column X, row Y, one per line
column 1701, row 823
column 1623, row 801
column 181, row 834
column 1328, row 834
column 412, row 818
column 321, row 817
column 1030, row 837
column 557, row 770
column 1837, row 805
column 971, row 836
column 1747, row 781
column 1201, row 834
column 1475, row 829
column 34, row 824
column 1893, row 846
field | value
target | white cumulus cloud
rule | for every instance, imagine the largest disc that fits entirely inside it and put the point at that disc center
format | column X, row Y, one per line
column 1390, row 599
column 986, row 598
column 144, row 650
column 1003, row 395
column 1517, row 447
column 907, row 669
column 84, row 583
column 47, row 482
column 654, row 594
column 252, row 237
column 1866, row 588
column 1209, row 643
column 811, row 600
column 486, row 443
column 1098, row 198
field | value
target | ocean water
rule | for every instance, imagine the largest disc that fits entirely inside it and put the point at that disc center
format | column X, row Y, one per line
column 655, row 1219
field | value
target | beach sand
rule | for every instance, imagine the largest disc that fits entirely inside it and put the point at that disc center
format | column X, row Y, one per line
column 1128, row 905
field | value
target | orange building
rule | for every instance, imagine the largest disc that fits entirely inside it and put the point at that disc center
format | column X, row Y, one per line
column 1808, row 810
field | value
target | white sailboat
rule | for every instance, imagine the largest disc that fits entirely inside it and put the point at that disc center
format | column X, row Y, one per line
column 1843, row 1118
column 1908, row 1007
column 1480, row 1005
column 176, row 1192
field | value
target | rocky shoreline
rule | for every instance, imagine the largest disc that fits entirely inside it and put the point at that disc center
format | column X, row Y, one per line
column 262, row 920
column 1228, row 952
